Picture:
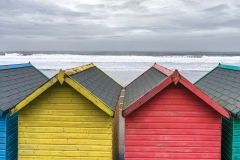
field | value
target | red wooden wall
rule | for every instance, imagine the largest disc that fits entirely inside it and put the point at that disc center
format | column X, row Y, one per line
column 174, row 124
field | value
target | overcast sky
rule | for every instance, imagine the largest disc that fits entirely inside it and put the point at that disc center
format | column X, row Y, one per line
column 128, row 25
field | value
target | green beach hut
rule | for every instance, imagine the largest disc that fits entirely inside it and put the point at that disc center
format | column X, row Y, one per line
column 222, row 84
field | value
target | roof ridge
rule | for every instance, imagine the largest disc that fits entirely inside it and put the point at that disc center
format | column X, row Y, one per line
column 78, row 69
column 226, row 66
column 162, row 69
column 14, row 66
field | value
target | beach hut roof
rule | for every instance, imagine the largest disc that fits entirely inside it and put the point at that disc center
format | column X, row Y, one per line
column 88, row 80
column 153, row 81
column 17, row 81
column 144, row 83
column 223, row 86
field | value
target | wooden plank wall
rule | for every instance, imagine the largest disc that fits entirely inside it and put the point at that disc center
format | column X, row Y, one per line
column 116, row 134
column 174, row 124
column 116, row 127
column 227, row 137
column 3, row 137
column 236, row 139
column 12, row 136
column 62, row 124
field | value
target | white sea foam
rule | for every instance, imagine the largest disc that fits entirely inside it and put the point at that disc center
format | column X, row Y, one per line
column 119, row 63
column 13, row 54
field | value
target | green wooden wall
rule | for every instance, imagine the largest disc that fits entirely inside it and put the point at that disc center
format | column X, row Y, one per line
column 230, row 139
column 236, row 139
column 227, row 136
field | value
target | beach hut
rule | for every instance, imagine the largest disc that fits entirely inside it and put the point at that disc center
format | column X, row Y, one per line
column 71, row 116
column 168, row 118
column 222, row 84
column 17, row 81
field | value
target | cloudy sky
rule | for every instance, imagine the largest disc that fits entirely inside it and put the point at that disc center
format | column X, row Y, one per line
column 127, row 25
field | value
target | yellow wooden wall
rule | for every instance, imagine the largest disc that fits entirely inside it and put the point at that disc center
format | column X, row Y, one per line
column 62, row 124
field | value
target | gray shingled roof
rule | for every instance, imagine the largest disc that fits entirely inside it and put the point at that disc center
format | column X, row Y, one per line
column 17, row 82
column 142, row 85
column 223, row 86
column 98, row 83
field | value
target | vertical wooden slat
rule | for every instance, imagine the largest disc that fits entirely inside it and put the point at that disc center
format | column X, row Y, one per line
column 116, row 134
column 227, row 137
column 236, row 139
column 12, row 136
column 3, row 137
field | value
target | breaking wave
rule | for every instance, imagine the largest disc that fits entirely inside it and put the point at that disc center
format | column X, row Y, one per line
column 121, row 62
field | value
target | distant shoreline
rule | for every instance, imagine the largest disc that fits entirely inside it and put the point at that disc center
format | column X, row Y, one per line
column 125, row 53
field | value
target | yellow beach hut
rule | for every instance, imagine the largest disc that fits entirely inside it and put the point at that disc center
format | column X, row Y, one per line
column 71, row 116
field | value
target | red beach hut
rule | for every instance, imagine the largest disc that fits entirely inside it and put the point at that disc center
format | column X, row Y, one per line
column 168, row 118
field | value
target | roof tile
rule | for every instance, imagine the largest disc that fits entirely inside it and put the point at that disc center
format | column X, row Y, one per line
column 216, row 99
column 143, row 84
column 99, row 84
column 17, row 83
column 238, row 104
column 236, row 110
column 224, row 86
column 231, row 101
column 226, row 92
column 222, row 103
column 230, row 107
column 224, row 98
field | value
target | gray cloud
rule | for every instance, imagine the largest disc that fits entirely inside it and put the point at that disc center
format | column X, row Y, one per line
column 119, row 25
column 217, row 9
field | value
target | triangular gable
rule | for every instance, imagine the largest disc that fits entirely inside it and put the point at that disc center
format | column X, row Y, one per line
column 64, row 76
column 162, row 69
column 175, row 77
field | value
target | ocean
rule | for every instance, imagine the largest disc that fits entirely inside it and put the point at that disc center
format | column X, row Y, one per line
column 123, row 66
